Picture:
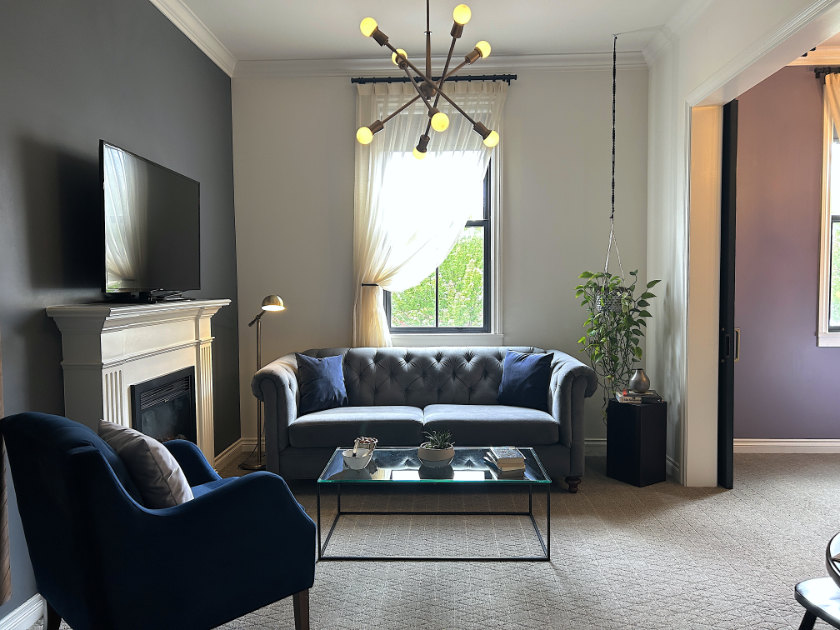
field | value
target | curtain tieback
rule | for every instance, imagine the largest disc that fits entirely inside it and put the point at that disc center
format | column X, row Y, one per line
column 369, row 284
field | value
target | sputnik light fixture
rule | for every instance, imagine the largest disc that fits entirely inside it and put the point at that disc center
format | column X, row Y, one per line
column 429, row 90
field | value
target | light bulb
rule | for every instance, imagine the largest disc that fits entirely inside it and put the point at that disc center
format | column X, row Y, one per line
column 418, row 154
column 394, row 56
column 367, row 26
column 461, row 14
column 484, row 48
column 364, row 135
column 440, row 122
column 491, row 140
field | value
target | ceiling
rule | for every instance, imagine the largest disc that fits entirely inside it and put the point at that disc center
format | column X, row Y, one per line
column 252, row 30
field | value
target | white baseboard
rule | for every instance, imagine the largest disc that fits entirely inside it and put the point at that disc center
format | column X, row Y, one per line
column 26, row 615
column 760, row 445
column 231, row 455
column 595, row 447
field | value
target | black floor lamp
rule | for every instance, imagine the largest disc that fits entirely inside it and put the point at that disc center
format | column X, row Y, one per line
column 271, row 303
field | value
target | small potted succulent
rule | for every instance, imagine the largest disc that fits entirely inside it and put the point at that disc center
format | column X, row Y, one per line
column 438, row 450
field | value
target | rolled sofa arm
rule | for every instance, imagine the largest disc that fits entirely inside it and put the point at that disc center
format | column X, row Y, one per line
column 571, row 382
column 276, row 385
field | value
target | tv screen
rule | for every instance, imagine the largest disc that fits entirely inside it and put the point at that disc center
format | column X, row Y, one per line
column 151, row 219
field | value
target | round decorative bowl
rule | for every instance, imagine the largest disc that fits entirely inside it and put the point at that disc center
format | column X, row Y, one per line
column 361, row 460
column 435, row 457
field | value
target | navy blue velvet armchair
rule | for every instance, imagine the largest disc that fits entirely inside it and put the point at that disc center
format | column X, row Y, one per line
column 102, row 560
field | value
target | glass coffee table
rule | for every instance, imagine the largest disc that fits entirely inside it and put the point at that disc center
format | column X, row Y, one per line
column 399, row 467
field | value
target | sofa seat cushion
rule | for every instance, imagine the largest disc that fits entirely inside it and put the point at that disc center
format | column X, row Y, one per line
column 480, row 425
column 392, row 425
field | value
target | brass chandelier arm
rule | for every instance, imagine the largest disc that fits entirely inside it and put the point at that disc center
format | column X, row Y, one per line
column 426, row 78
column 397, row 111
column 455, row 105
column 443, row 74
column 419, row 91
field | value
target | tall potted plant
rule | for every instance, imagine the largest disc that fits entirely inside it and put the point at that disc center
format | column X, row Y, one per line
column 614, row 327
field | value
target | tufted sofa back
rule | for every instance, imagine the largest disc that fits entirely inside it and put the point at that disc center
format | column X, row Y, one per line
column 422, row 376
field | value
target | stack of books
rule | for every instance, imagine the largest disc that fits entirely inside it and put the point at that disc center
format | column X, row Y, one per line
column 649, row 396
column 508, row 461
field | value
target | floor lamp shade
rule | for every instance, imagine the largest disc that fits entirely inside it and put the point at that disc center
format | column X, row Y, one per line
column 270, row 304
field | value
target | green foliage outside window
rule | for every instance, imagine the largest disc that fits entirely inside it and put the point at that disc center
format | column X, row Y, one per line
column 460, row 291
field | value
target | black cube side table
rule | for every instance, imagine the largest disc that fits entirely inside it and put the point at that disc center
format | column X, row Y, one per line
column 636, row 442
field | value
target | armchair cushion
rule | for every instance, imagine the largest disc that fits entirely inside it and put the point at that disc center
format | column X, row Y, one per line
column 154, row 470
column 525, row 380
column 321, row 383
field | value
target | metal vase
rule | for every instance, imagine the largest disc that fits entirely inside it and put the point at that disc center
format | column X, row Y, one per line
column 639, row 382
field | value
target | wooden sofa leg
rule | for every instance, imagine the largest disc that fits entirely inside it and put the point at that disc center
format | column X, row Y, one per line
column 53, row 618
column 301, row 604
column 573, row 482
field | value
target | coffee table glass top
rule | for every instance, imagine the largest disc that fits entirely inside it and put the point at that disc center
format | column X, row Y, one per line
column 402, row 465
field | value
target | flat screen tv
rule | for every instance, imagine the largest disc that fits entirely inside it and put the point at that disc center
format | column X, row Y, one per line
column 151, row 227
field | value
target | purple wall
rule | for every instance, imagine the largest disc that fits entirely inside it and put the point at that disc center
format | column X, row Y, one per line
column 785, row 386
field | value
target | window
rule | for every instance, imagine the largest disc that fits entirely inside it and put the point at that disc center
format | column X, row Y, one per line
column 829, row 298
column 456, row 297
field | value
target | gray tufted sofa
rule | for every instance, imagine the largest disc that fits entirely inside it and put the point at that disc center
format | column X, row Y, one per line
column 397, row 394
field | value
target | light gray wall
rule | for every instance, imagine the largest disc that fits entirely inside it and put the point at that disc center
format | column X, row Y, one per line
column 74, row 72
column 784, row 383
column 294, row 170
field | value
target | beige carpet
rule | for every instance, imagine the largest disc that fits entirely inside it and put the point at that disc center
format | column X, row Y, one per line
column 664, row 557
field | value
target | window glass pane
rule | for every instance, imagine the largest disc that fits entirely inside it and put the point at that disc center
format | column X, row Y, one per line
column 834, row 292
column 476, row 200
column 414, row 307
column 834, row 178
column 461, row 282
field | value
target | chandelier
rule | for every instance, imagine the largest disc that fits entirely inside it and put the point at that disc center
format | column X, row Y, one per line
column 430, row 91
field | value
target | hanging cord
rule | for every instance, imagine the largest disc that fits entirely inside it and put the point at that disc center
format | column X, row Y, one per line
column 613, row 240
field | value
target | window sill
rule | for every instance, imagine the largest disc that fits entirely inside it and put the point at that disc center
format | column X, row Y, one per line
column 828, row 340
column 447, row 339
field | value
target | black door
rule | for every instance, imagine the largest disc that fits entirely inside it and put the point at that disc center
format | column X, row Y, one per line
column 728, row 340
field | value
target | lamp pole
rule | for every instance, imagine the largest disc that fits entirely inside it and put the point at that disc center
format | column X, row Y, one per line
column 269, row 303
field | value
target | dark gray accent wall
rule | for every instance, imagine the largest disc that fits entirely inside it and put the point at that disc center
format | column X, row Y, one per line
column 785, row 386
column 73, row 72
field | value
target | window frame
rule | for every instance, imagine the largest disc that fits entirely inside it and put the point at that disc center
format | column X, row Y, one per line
column 489, row 332
column 827, row 336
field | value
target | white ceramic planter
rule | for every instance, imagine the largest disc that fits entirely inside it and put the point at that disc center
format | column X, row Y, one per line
column 435, row 457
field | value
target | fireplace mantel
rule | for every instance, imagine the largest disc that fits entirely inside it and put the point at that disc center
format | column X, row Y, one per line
column 109, row 347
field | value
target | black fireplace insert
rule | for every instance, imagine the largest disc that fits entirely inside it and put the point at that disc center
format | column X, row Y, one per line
column 164, row 407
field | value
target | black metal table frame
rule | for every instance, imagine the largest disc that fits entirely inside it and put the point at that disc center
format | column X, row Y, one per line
column 545, row 543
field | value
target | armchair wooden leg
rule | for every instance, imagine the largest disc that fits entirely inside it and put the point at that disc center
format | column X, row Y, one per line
column 573, row 482
column 808, row 621
column 53, row 618
column 301, row 604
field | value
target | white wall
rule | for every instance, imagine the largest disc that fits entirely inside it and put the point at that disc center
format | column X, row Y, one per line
column 708, row 57
column 293, row 168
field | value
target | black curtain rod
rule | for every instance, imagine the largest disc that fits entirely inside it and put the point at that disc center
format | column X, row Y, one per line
column 821, row 71
column 481, row 77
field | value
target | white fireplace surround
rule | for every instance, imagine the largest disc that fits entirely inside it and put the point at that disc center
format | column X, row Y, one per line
column 107, row 348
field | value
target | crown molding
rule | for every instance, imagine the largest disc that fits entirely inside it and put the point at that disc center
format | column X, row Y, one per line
column 378, row 67
column 679, row 23
column 188, row 23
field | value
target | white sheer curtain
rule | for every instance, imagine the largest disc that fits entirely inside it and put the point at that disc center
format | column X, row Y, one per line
column 402, row 233
column 832, row 97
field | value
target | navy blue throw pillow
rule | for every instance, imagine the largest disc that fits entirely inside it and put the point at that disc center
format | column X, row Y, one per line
column 321, row 383
column 525, row 379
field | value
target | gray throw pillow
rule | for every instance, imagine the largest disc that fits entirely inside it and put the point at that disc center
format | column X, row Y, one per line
column 154, row 470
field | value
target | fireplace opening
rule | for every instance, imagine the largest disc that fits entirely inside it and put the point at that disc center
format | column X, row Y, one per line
column 164, row 407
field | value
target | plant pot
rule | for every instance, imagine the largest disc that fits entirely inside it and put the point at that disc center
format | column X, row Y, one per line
column 435, row 457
